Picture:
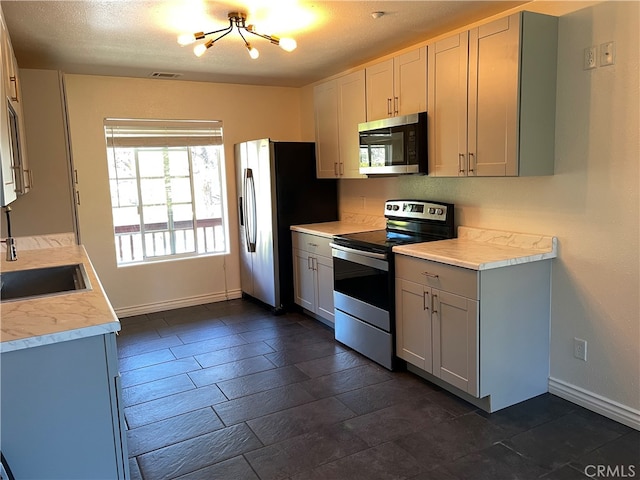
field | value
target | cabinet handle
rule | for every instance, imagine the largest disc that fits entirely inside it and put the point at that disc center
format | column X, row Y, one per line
column 389, row 107
column 341, row 168
column 335, row 168
column 461, row 163
column 309, row 267
column 14, row 82
column 314, row 263
column 29, row 173
column 425, row 301
column 434, row 300
column 77, row 197
column 396, row 103
column 19, row 180
column 472, row 161
column 430, row 275
column 312, row 244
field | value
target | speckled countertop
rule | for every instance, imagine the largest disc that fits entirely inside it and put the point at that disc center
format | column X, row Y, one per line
column 329, row 229
column 68, row 316
column 481, row 249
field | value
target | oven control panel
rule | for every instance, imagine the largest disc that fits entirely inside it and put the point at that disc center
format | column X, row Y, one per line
column 416, row 209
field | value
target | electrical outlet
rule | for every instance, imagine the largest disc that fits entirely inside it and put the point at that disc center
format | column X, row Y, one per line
column 580, row 349
column 590, row 57
column 607, row 54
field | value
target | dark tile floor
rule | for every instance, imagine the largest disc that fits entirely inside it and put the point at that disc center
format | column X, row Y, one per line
column 228, row 391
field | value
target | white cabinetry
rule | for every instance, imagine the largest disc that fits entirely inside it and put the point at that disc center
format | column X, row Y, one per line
column 16, row 177
column 313, row 274
column 62, row 415
column 492, row 99
column 484, row 333
column 397, row 86
column 339, row 107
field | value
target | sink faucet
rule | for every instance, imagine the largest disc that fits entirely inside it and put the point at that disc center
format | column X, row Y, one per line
column 12, row 252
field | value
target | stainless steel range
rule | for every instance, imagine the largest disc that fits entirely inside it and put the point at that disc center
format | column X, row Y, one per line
column 364, row 279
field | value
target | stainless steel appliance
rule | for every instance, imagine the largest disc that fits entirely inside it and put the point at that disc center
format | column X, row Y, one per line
column 364, row 286
column 277, row 187
column 394, row 146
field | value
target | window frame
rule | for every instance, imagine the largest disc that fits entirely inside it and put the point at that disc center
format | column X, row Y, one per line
column 198, row 241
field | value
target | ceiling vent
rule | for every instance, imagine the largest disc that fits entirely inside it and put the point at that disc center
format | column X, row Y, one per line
column 165, row 75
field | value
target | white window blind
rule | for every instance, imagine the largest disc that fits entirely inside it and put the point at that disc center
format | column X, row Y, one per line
column 162, row 133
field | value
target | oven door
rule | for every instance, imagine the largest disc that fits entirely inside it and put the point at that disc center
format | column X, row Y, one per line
column 362, row 298
column 361, row 275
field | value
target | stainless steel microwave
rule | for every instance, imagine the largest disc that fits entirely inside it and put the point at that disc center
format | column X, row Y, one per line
column 394, row 146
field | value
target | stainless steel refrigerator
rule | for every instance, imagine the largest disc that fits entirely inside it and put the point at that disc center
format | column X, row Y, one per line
column 277, row 187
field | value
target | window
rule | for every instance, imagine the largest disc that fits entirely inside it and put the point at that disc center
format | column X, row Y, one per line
column 167, row 189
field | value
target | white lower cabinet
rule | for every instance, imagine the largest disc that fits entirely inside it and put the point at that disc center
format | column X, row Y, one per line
column 62, row 412
column 313, row 274
column 484, row 333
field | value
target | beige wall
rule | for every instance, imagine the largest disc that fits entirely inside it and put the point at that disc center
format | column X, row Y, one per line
column 591, row 204
column 47, row 207
column 247, row 112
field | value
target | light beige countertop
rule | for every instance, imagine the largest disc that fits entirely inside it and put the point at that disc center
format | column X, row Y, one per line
column 56, row 318
column 481, row 249
column 329, row 229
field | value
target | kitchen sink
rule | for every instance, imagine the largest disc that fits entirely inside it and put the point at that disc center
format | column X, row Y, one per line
column 40, row 282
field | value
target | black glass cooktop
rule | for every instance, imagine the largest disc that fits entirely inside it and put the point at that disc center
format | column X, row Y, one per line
column 380, row 240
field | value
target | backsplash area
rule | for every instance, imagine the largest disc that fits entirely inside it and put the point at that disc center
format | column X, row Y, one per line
column 43, row 241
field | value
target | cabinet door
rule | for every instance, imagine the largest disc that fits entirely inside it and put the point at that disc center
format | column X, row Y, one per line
column 413, row 324
column 7, row 174
column 448, row 106
column 304, row 281
column 380, row 90
column 410, row 82
column 324, row 277
column 455, row 340
column 325, row 100
column 351, row 112
column 493, row 98
column 15, row 118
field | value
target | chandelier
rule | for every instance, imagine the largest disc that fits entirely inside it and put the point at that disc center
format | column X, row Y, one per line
column 236, row 19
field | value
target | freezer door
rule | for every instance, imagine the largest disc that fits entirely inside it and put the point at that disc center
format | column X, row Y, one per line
column 264, row 262
column 246, row 268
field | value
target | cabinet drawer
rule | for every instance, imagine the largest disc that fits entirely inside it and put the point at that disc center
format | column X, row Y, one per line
column 449, row 278
column 312, row 243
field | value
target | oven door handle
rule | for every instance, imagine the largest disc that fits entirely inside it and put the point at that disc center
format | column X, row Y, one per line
column 369, row 259
column 381, row 256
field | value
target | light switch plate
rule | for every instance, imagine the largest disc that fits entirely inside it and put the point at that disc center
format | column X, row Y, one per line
column 607, row 54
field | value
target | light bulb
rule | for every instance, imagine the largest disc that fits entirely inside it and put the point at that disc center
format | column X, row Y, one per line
column 288, row 44
column 199, row 49
column 186, row 38
column 253, row 52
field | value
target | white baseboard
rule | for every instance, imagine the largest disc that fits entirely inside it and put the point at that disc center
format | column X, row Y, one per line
column 178, row 303
column 597, row 403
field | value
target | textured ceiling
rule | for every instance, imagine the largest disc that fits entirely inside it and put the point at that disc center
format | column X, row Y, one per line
column 136, row 37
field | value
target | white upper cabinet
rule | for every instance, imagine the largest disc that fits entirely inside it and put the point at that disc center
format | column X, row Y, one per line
column 16, row 177
column 339, row 108
column 492, row 99
column 397, row 86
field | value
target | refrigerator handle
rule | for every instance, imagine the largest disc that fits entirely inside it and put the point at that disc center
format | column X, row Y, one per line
column 250, row 214
column 241, row 211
